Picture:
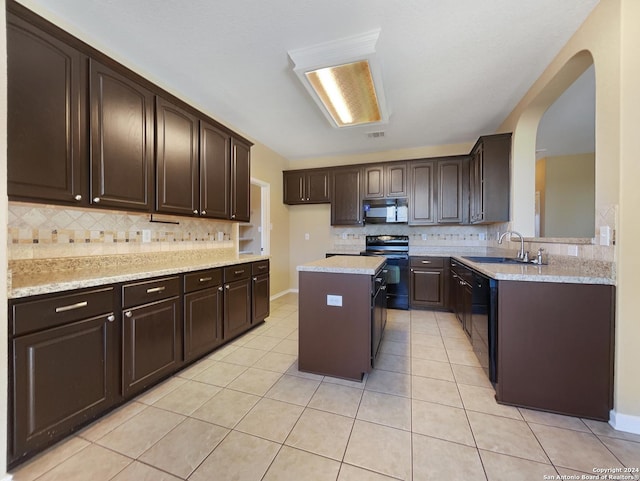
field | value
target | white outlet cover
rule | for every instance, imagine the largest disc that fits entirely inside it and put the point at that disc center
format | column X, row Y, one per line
column 146, row 235
column 573, row 250
column 333, row 300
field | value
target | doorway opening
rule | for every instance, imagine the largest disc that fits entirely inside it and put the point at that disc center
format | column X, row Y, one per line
column 254, row 236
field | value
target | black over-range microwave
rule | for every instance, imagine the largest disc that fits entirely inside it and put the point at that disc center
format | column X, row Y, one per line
column 385, row 211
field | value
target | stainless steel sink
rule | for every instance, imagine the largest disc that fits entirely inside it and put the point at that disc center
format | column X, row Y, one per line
column 493, row 260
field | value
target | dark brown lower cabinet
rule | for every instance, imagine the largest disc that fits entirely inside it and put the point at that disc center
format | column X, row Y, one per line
column 202, row 313
column 555, row 347
column 151, row 333
column 461, row 293
column 260, row 291
column 63, row 367
column 237, row 307
column 74, row 356
column 427, row 282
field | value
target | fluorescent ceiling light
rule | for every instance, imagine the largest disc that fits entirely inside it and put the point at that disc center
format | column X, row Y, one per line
column 344, row 79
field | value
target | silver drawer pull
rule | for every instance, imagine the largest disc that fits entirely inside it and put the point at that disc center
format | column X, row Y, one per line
column 238, row 272
column 151, row 290
column 206, row 279
column 129, row 314
column 111, row 318
column 262, row 267
column 426, row 262
column 255, row 278
column 71, row 307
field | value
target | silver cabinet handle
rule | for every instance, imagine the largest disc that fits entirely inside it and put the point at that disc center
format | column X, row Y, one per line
column 426, row 262
column 111, row 318
column 383, row 288
column 152, row 290
column 233, row 216
column 262, row 267
column 255, row 278
column 204, row 212
column 205, row 279
column 78, row 197
column 227, row 286
column 220, row 288
column 238, row 272
column 96, row 200
column 71, row 307
column 195, row 211
column 128, row 314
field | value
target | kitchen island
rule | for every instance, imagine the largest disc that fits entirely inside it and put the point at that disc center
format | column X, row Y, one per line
column 342, row 314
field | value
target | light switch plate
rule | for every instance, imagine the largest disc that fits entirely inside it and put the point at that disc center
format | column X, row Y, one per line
column 333, row 300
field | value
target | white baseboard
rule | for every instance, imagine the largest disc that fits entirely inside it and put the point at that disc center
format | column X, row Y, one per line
column 279, row 294
column 7, row 477
column 624, row 422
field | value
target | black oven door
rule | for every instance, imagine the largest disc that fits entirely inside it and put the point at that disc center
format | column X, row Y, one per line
column 397, row 277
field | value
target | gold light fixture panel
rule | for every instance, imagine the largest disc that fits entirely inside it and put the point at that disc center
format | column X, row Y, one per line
column 347, row 92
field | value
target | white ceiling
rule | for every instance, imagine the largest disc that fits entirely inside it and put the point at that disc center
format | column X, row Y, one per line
column 452, row 70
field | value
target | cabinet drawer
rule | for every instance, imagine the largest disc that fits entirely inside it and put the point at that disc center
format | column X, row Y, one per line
column 427, row 262
column 239, row 271
column 45, row 313
column 261, row 267
column 149, row 291
column 202, row 279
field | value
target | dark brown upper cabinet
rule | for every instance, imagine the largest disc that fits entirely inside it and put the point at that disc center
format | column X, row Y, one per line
column 385, row 180
column 215, row 172
column 177, row 167
column 46, row 117
column 306, row 186
column 421, row 201
column 240, row 181
column 489, row 181
column 450, row 190
column 346, row 196
column 121, row 141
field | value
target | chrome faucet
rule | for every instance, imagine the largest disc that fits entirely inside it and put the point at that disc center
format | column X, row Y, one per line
column 521, row 254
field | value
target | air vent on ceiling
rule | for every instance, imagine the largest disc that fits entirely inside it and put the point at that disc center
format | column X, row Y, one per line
column 375, row 135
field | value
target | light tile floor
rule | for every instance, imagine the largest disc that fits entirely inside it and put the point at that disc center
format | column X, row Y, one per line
column 427, row 412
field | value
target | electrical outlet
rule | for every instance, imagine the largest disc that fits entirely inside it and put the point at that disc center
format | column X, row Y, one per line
column 306, row 236
column 605, row 235
column 482, row 236
column 344, row 235
column 333, row 300
column 572, row 250
column 424, row 236
column 146, row 235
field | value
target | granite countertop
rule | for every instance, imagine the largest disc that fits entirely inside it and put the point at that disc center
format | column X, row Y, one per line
column 46, row 276
column 587, row 274
column 345, row 264
column 560, row 269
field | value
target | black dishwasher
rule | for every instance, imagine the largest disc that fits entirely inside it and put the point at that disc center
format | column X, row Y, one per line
column 484, row 332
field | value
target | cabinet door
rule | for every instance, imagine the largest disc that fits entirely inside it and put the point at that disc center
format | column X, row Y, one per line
column 318, row 186
column 237, row 307
column 421, row 211
column 374, row 182
column 202, row 322
column 395, row 179
column 177, row 187
column 151, row 344
column 240, row 181
column 260, row 298
column 346, row 198
column 121, row 141
column 215, row 172
column 427, row 287
column 46, row 119
column 294, row 187
column 450, row 191
column 61, row 377
column 476, row 186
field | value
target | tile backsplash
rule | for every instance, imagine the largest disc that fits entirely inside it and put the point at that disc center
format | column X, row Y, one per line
column 42, row 231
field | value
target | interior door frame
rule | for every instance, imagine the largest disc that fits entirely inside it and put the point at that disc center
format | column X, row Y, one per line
column 265, row 210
